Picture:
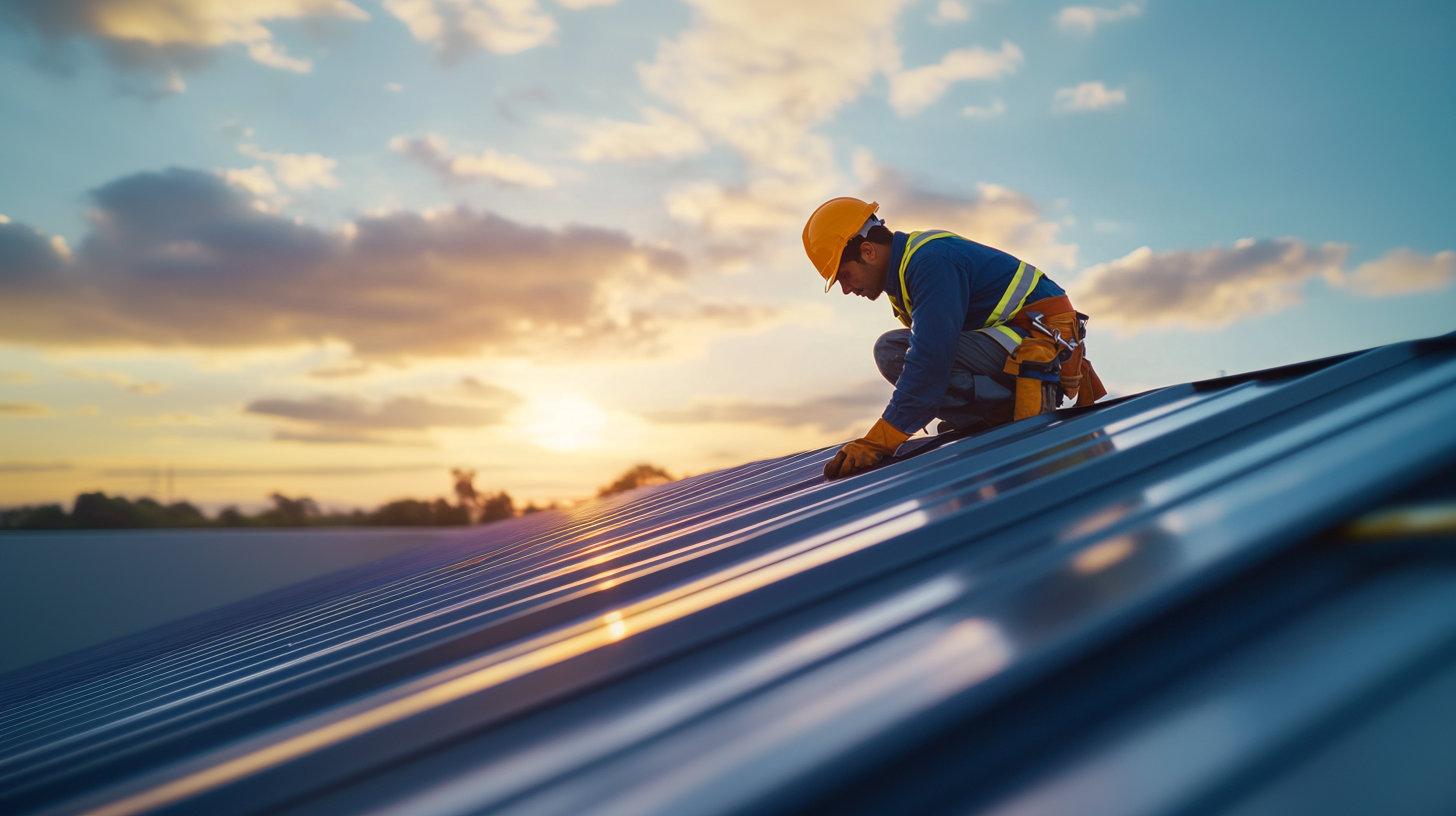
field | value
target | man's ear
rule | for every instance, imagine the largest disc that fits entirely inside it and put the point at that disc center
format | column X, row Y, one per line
column 869, row 252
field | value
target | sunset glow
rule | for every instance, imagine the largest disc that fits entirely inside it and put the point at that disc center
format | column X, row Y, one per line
column 565, row 424
column 337, row 249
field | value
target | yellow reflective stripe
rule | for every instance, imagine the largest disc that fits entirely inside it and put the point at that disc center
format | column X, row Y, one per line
column 1017, row 292
column 1005, row 335
column 1020, row 288
column 914, row 242
column 995, row 318
column 900, row 312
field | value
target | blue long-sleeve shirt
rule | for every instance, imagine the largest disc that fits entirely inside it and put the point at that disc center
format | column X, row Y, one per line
column 954, row 284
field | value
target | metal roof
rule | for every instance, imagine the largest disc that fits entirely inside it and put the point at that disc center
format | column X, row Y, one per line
column 1140, row 607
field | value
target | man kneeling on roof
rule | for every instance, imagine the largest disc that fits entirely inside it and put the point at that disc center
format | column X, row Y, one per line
column 988, row 338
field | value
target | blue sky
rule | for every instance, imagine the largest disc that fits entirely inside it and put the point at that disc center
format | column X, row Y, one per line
column 634, row 176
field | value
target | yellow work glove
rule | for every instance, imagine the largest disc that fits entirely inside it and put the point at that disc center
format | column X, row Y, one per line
column 866, row 452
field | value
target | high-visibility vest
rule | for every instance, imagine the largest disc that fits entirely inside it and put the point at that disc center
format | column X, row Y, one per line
column 1025, row 280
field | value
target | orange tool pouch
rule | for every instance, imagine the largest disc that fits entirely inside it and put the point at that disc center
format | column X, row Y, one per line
column 1076, row 378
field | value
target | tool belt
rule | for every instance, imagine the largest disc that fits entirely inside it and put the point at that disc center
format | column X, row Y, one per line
column 1051, row 363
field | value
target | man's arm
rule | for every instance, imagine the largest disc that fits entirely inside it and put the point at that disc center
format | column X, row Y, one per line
column 939, row 296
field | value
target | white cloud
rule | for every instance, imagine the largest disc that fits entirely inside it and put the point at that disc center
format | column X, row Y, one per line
column 458, row 26
column 1199, row 288
column 1401, row 271
column 433, row 152
column 393, row 87
column 173, row 418
column 181, row 258
column 577, row 5
column 117, row 378
column 503, row 167
column 266, row 53
column 995, row 109
column 297, row 171
column 1085, row 19
column 949, row 11
column 1088, row 96
column 1208, row 288
column 159, row 33
column 914, row 90
column 764, row 204
column 352, row 418
column 762, row 88
column 661, row 136
column 253, row 179
column 865, row 168
column 25, row 409
column 992, row 215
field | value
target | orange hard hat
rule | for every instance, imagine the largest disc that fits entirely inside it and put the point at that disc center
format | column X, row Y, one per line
column 829, row 230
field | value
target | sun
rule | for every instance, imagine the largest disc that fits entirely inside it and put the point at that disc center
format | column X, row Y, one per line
column 564, row 424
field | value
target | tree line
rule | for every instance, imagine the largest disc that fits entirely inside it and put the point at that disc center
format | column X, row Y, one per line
column 98, row 511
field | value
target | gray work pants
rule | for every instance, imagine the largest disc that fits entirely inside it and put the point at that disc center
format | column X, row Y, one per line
column 978, row 380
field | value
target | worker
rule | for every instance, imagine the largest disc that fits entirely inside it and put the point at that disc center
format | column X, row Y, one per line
column 987, row 337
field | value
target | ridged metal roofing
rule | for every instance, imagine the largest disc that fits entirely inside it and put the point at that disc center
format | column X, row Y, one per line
column 1133, row 608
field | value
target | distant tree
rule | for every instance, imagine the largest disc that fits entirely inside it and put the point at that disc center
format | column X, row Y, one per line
column 288, row 512
column 354, row 518
column 43, row 517
column 233, row 517
column 416, row 513
column 497, row 507
column 532, row 507
column 450, row 516
column 465, row 488
column 151, row 513
column 97, row 511
column 641, row 475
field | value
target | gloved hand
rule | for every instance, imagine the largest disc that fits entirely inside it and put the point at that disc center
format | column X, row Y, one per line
column 865, row 452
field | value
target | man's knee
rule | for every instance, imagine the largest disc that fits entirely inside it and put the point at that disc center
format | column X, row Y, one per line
column 890, row 352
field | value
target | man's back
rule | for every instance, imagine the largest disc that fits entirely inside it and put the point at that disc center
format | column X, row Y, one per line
column 979, row 277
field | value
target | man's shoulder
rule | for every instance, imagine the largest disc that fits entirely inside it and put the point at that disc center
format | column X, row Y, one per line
column 949, row 246
column 937, row 264
column 959, row 251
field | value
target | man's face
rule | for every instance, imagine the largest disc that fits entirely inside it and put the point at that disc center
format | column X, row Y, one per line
column 866, row 276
